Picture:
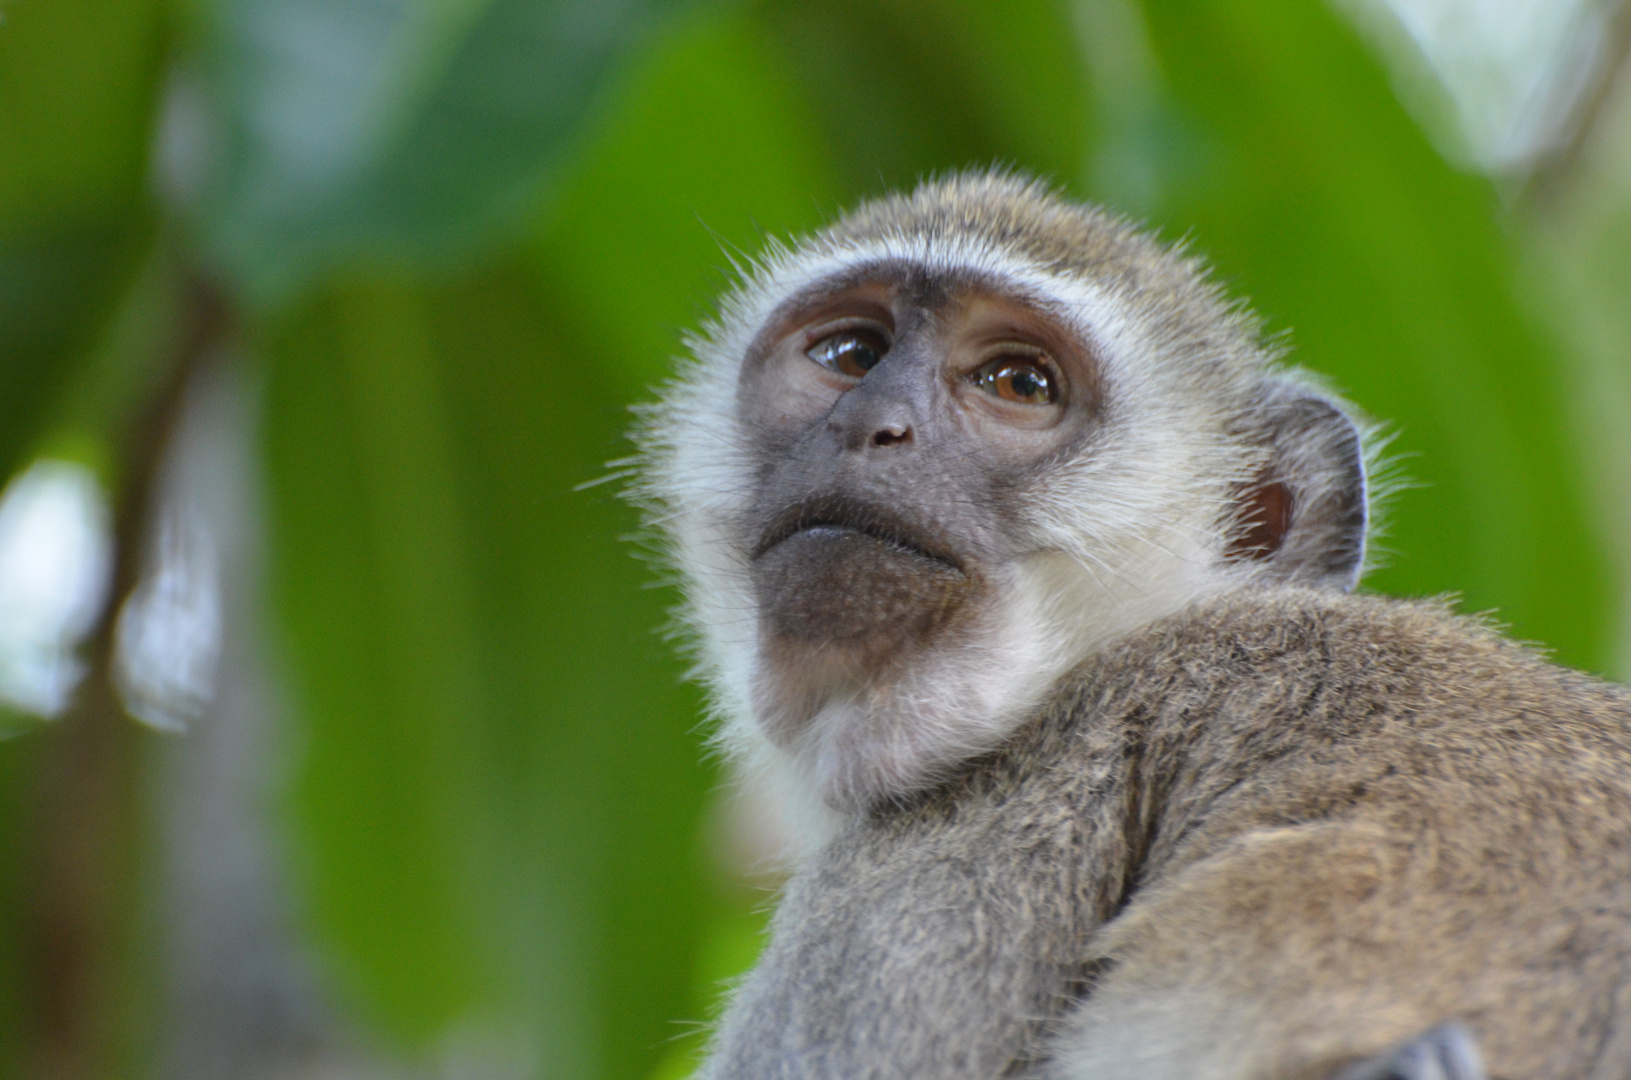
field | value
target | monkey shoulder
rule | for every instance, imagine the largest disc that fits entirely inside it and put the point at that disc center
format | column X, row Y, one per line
column 1260, row 674
column 1273, row 707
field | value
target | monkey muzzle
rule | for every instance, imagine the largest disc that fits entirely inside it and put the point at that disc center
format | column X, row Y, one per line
column 841, row 571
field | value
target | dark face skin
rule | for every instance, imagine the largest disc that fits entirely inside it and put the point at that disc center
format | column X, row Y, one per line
column 900, row 418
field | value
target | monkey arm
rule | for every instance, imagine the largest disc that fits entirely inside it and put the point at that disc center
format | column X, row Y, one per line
column 933, row 941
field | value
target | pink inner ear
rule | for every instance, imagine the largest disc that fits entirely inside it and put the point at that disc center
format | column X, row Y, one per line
column 1266, row 517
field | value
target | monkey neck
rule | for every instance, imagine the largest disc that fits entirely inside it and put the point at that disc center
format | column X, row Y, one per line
column 856, row 743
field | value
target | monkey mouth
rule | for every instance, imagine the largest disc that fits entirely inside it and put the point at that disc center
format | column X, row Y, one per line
column 840, row 514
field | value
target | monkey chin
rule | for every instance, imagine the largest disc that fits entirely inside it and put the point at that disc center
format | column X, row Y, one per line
column 842, row 614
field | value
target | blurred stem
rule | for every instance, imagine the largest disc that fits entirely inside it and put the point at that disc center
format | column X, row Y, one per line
column 88, row 795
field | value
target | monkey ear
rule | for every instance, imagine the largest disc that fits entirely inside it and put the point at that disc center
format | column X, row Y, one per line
column 1306, row 516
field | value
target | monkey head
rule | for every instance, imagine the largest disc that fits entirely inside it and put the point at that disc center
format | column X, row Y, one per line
column 931, row 459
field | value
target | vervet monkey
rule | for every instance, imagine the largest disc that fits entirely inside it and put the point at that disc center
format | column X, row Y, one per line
column 1018, row 561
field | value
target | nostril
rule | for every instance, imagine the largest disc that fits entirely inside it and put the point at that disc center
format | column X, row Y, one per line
column 891, row 435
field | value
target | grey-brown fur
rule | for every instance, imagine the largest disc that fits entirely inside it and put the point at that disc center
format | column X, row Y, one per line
column 1265, row 838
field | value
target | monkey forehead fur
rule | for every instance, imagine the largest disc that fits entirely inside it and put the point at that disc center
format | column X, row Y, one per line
column 1111, row 539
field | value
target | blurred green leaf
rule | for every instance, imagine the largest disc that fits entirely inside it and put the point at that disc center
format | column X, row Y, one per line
column 77, row 87
column 374, row 583
column 500, row 789
column 705, row 149
column 594, row 743
column 55, row 291
column 406, row 130
column 908, row 87
column 1323, row 203
column 76, row 81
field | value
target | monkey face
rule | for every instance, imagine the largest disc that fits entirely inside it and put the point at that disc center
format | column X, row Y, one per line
column 931, row 459
column 900, row 417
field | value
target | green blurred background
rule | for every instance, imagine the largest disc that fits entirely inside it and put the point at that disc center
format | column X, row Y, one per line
column 341, row 737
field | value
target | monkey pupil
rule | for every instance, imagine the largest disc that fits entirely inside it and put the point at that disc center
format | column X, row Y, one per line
column 857, row 358
column 1022, row 383
column 1025, row 384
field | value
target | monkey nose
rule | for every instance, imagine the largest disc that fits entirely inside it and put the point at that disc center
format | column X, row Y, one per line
column 891, row 435
column 873, row 429
column 875, row 417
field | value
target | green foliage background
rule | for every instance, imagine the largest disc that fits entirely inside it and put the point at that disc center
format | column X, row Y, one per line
column 455, row 238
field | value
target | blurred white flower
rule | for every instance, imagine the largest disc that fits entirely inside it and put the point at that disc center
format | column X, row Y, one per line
column 55, row 557
column 1515, row 69
column 169, row 632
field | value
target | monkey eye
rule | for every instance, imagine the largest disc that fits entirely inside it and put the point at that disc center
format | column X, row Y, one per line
column 1020, row 379
column 852, row 352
